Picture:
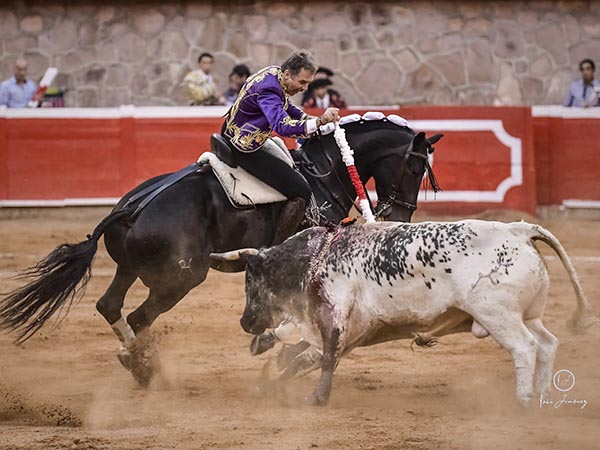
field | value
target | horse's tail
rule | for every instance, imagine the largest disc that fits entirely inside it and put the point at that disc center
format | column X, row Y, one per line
column 58, row 279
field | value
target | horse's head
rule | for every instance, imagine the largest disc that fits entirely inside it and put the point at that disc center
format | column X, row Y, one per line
column 385, row 151
column 400, row 202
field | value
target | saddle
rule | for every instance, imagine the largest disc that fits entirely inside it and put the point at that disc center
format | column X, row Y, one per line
column 243, row 189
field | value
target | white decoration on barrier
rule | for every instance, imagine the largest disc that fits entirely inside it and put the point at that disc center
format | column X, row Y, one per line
column 497, row 128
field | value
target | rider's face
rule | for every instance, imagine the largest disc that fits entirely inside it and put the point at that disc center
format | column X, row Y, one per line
column 297, row 83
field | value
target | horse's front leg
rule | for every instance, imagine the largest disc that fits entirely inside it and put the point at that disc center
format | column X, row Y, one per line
column 303, row 363
column 267, row 340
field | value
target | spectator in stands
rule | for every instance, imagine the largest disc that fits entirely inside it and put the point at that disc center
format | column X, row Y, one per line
column 17, row 91
column 322, row 72
column 322, row 96
column 199, row 84
column 238, row 76
column 586, row 91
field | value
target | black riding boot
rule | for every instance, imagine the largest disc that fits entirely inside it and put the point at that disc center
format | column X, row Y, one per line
column 289, row 219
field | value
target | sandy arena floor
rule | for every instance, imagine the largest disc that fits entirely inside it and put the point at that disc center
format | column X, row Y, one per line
column 65, row 389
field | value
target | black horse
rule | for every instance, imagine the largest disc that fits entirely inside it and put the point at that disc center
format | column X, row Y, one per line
column 168, row 243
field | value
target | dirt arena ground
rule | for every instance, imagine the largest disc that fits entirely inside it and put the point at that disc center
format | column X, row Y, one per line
column 64, row 389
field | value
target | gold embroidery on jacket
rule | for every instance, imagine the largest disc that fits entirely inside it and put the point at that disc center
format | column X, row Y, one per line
column 245, row 136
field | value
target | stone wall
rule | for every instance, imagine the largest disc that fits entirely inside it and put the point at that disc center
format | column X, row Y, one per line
column 384, row 53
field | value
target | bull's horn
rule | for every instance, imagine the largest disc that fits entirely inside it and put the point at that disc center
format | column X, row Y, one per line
column 234, row 255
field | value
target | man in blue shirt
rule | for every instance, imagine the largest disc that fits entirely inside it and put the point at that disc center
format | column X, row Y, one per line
column 585, row 92
column 17, row 91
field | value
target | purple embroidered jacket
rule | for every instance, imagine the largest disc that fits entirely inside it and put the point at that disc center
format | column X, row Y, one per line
column 261, row 107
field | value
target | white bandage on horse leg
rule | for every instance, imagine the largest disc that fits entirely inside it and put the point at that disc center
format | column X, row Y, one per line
column 124, row 332
column 284, row 331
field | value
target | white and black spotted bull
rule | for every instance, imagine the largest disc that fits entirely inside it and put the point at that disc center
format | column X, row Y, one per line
column 365, row 284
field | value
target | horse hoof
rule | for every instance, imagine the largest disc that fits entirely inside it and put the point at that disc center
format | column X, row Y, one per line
column 145, row 365
column 289, row 352
column 261, row 343
column 124, row 358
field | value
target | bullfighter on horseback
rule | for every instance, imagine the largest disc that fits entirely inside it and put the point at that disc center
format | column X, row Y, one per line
column 262, row 106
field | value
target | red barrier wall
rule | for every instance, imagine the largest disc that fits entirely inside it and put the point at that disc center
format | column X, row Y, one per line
column 568, row 159
column 486, row 159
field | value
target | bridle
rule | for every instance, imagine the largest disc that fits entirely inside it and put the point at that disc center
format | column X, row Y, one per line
column 383, row 205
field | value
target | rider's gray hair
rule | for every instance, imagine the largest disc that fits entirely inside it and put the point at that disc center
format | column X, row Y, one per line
column 301, row 59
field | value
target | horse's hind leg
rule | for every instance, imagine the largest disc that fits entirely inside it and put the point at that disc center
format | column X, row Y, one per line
column 111, row 303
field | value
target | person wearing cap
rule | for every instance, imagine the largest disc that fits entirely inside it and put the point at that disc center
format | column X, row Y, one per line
column 238, row 76
column 263, row 105
column 17, row 91
column 322, row 96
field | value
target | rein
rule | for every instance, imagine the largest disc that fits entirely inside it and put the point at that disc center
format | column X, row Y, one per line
column 309, row 166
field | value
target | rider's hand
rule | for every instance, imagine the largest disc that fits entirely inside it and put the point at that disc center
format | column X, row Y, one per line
column 330, row 115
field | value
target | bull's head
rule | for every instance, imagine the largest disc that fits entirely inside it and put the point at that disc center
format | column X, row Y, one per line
column 260, row 299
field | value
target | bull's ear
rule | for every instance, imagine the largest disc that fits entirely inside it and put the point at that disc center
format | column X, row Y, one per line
column 250, row 259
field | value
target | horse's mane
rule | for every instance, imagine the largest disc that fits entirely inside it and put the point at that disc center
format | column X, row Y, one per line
column 366, row 126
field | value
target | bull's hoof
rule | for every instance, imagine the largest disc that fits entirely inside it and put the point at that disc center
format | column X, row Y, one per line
column 262, row 342
column 315, row 400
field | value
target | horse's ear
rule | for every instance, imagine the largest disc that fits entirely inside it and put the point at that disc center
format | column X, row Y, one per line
column 433, row 139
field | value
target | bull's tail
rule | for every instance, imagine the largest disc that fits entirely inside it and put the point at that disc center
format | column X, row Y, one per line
column 581, row 319
column 55, row 281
